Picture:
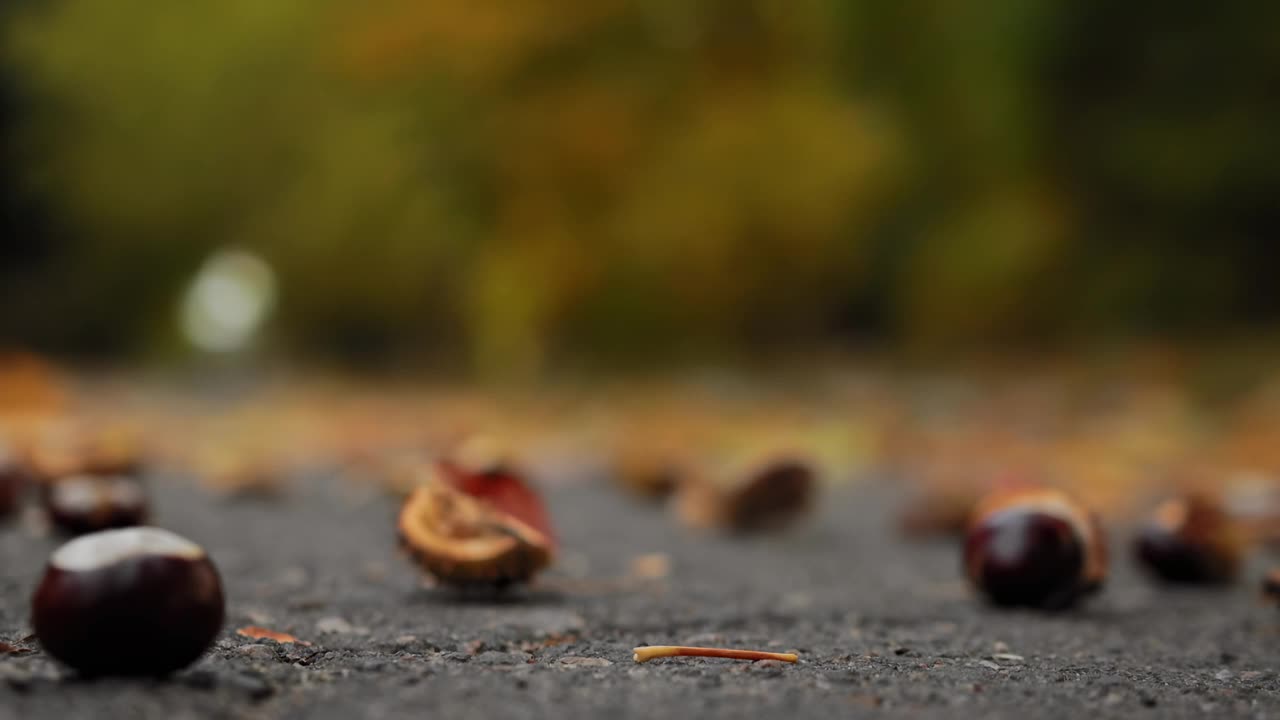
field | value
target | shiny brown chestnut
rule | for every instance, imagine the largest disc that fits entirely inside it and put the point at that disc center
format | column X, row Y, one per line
column 132, row 601
column 13, row 480
column 88, row 503
column 1035, row 548
column 769, row 496
column 468, row 539
column 1191, row 540
column 1271, row 586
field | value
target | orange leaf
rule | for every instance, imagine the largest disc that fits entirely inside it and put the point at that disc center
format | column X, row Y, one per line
column 260, row 633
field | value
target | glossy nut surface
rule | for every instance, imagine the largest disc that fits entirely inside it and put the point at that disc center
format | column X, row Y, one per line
column 1190, row 540
column 776, row 495
column 88, row 503
column 13, row 480
column 1034, row 548
column 134, row 601
column 1271, row 586
column 760, row 495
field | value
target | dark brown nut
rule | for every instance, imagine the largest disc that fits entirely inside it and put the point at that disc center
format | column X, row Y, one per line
column 13, row 481
column 89, row 503
column 1271, row 586
column 770, row 496
column 1191, row 540
column 133, row 601
column 1034, row 547
column 465, row 540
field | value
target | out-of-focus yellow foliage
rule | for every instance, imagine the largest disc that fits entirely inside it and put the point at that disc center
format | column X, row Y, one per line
column 495, row 173
column 512, row 183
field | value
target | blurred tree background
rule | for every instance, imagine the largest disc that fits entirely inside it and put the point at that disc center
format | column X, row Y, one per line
column 507, row 186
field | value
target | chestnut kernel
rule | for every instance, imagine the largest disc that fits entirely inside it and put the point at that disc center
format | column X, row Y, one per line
column 481, row 469
column 132, row 601
column 1034, row 548
column 89, row 503
column 1191, row 540
column 469, row 539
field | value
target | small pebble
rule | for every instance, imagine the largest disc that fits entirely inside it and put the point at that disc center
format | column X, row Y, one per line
column 578, row 661
column 258, row 652
column 339, row 626
column 988, row 665
column 254, row 685
column 15, row 677
column 494, row 657
column 767, row 667
column 201, row 679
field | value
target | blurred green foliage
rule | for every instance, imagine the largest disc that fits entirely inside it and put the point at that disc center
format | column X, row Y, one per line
column 508, row 183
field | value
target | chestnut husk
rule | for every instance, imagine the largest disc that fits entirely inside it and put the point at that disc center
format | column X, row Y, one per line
column 464, row 540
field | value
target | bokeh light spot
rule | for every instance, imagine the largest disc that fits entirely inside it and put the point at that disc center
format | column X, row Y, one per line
column 228, row 300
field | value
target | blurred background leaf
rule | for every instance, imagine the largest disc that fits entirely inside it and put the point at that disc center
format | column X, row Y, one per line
column 506, row 188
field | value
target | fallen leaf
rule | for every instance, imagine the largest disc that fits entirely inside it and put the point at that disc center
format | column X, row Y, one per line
column 259, row 633
column 651, row 566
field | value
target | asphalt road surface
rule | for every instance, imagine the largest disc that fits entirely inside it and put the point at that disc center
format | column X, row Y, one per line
column 883, row 628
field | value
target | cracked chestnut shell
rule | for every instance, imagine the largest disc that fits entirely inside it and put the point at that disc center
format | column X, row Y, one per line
column 496, row 535
column 133, row 601
column 1190, row 540
column 89, row 503
column 1035, row 548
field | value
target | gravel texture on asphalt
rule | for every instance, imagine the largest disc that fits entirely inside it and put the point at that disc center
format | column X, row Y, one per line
column 884, row 628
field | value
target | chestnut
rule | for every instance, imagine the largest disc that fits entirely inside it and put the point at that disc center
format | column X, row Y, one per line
column 1036, row 548
column 770, row 495
column 1271, row 586
column 132, row 601
column 88, row 503
column 13, row 480
column 1191, row 540
column 466, row 539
